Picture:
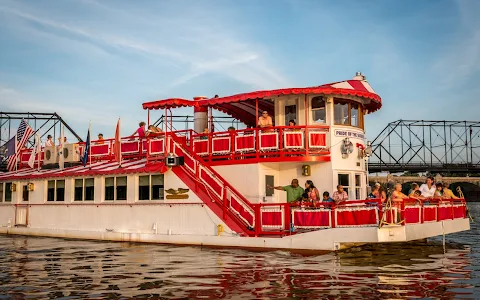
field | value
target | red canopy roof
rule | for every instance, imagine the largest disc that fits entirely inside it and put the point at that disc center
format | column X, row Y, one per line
column 228, row 104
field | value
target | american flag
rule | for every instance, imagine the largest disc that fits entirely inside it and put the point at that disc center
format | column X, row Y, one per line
column 23, row 133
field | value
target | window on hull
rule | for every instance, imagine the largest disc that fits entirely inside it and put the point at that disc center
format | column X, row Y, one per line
column 25, row 193
column 84, row 189
column 116, row 188
column 347, row 113
column 8, row 192
column 150, row 187
column 56, row 190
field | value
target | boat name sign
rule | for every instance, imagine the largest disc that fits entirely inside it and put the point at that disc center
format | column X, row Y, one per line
column 350, row 134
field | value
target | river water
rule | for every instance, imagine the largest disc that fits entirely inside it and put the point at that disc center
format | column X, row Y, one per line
column 49, row 268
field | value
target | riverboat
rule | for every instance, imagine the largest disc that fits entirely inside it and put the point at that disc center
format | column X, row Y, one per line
column 190, row 187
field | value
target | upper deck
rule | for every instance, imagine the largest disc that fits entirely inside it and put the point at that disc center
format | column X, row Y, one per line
column 326, row 118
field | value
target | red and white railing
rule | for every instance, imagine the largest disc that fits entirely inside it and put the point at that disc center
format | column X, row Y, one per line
column 280, row 141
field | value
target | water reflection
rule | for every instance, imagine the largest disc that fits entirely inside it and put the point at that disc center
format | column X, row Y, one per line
column 45, row 268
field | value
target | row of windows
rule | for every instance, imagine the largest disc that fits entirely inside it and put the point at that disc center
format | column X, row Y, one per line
column 5, row 192
column 150, row 188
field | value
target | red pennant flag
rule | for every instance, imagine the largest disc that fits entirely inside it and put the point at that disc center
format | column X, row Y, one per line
column 117, row 146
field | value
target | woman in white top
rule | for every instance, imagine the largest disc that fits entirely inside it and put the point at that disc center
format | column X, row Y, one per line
column 49, row 142
column 428, row 189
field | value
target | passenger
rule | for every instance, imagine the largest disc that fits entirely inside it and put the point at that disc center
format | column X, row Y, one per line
column 265, row 121
column 374, row 193
column 49, row 142
column 439, row 191
column 417, row 195
column 428, row 188
column 60, row 140
column 100, row 141
column 305, row 200
column 311, row 191
column 294, row 191
column 205, row 134
column 140, row 131
column 231, row 128
column 292, row 123
column 153, row 129
column 397, row 194
column 327, row 198
column 382, row 194
column 340, row 195
column 448, row 192
column 414, row 188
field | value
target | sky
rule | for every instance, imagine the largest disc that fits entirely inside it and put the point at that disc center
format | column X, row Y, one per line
column 99, row 61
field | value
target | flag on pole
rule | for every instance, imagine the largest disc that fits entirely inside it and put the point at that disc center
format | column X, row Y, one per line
column 117, row 146
column 37, row 149
column 61, row 159
column 87, row 148
column 9, row 147
column 23, row 134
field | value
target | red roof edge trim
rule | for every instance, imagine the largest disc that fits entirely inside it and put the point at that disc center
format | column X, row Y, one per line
column 169, row 103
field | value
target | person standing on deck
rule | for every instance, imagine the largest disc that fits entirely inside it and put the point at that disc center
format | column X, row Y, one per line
column 265, row 121
column 340, row 195
column 294, row 191
column 428, row 188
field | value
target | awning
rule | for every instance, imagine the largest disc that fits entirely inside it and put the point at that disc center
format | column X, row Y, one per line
column 97, row 168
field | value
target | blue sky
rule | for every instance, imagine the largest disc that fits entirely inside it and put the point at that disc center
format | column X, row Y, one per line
column 100, row 60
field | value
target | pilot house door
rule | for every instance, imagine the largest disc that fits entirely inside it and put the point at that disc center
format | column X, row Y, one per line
column 291, row 111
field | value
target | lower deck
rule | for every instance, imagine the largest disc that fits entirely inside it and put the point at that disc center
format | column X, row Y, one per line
column 277, row 226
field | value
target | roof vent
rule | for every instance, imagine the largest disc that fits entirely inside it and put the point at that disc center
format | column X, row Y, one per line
column 359, row 76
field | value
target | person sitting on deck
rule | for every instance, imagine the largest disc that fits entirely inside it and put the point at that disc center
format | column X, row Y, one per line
column 340, row 195
column 414, row 188
column 231, row 128
column 294, row 191
column 448, row 192
column 327, row 198
column 439, row 192
column 265, row 121
column 100, row 141
column 428, row 188
column 417, row 195
column 140, row 130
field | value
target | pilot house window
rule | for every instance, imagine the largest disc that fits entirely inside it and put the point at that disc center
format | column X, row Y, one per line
column 347, row 113
column 150, row 187
column 318, row 109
